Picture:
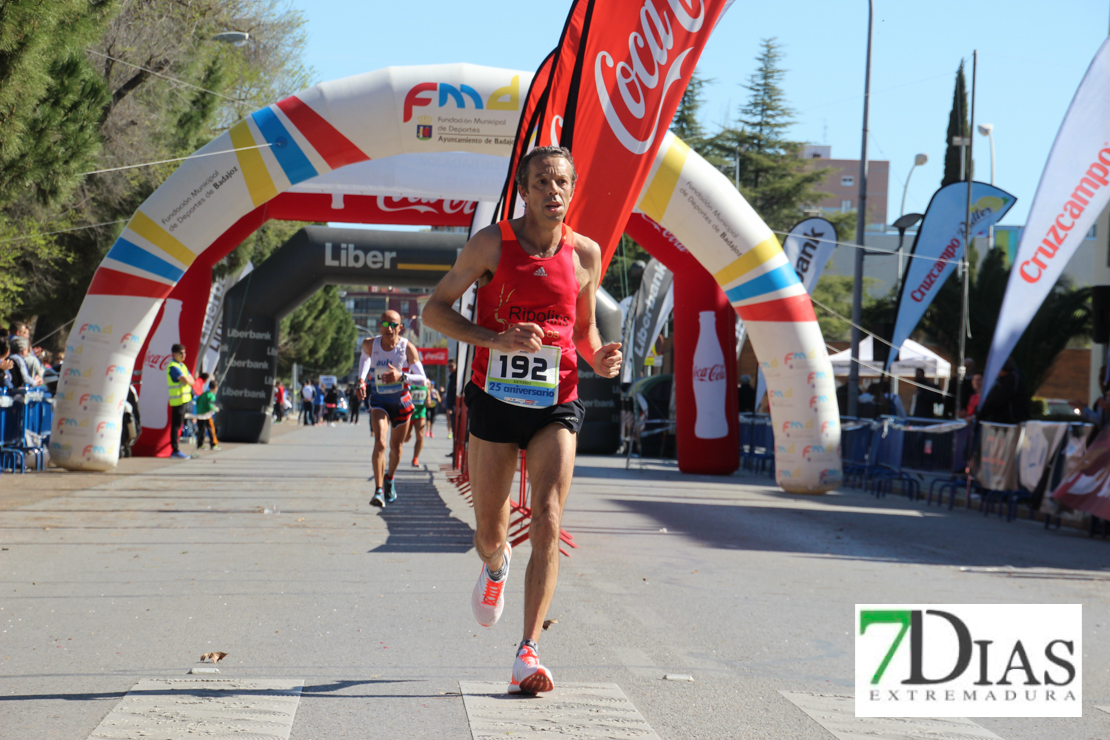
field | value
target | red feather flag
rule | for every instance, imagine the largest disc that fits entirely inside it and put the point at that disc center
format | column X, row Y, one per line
column 608, row 93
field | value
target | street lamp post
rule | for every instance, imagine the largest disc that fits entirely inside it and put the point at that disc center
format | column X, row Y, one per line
column 918, row 160
column 987, row 129
column 861, row 222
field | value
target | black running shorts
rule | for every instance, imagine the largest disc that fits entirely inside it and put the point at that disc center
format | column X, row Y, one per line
column 398, row 406
column 496, row 421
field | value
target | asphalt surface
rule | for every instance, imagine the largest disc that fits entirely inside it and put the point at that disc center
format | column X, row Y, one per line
column 271, row 554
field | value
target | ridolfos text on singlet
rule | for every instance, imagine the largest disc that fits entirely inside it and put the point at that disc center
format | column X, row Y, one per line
column 518, row 314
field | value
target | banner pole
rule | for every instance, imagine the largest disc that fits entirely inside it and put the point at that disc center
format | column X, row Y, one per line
column 965, row 266
column 861, row 223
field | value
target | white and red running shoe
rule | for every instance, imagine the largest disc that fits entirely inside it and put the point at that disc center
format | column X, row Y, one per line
column 529, row 677
column 488, row 598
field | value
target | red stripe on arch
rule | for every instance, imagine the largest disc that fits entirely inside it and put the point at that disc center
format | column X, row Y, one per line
column 792, row 308
column 336, row 149
column 113, row 282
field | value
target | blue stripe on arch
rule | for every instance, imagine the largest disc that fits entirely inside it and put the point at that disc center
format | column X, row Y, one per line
column 135, row 256
column 284, row 147
column 781, row 277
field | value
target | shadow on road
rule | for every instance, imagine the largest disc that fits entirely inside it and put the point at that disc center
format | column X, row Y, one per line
column 419, row 521
column 890, row 535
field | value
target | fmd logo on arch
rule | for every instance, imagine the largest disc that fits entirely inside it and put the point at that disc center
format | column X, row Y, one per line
column 969, row 660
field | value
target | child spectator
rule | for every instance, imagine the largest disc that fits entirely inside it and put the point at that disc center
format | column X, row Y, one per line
column 206, row 408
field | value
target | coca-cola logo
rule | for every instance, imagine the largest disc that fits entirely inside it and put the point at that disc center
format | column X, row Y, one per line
column 158, row 362
column 709, row 374
column 638, row 74
column 390, row 204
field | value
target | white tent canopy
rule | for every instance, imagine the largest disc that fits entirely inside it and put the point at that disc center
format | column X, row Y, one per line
column 912, row 357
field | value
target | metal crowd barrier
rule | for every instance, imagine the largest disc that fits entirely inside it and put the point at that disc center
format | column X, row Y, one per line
column 26, row 417
column 757, row 443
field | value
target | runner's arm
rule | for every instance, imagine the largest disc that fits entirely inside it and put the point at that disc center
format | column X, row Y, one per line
column 479, row 257
column 363, row 367
column 604, row 359
column 415, row 374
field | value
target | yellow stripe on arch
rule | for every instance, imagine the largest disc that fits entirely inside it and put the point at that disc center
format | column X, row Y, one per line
column 416, row 266
column 659, row 192
column 755, row 257
column 147, row 228
column 259, row 182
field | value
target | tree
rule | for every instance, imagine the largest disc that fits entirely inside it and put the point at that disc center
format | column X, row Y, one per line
column 1064, row 316
column 50, row 96
column 957, row 126
column 760, row 159
column 319, row 334
column 168, row 89
column 835, row 291
column 685, row 124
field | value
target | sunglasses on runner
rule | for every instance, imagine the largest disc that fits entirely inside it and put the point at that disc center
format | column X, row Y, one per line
column 390, row 324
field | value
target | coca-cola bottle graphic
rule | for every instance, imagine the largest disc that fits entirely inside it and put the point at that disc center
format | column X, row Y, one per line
column 154, row 394
column 710, row 388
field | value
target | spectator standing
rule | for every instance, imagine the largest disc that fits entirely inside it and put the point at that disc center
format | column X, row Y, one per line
column 890, row 403
column 206, row 408
column 745, row 395
column 1007, row 402
column 279, row 402
column 331, row 402
column 354, row 405
column 132, row 422
column 1099, row 413
column 20, row 352
column 200, row 385
column 972, row 408
column 927, row 394
column 8, row 370
column 23, row 331
column 308, row 393
column 318, row 403
column 180, row 383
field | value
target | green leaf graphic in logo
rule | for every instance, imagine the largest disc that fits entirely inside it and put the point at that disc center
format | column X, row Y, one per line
column 868, row 618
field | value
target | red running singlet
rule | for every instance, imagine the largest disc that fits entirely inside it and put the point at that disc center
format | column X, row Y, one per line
column 538, row 290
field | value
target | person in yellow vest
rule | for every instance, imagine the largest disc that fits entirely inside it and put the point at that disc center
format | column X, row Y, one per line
column 181, row 394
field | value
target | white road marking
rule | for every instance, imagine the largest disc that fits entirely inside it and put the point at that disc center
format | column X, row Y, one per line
column 837, row 714
column 578, row 710
column 1105, row 709
column 212, row 708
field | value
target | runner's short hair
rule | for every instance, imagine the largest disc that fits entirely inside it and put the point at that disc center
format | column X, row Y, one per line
column 543, row 151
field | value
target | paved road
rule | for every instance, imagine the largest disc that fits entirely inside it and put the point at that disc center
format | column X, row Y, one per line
column 748, row 590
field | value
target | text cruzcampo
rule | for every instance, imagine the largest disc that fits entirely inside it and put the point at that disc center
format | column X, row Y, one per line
column 1095, row 177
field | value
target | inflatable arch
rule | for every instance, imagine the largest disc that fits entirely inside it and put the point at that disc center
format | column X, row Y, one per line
column 221, row 194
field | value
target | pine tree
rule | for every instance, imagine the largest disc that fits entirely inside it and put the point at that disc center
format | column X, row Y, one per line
column 957, row 126
column 685, row 124
column 51, row 98
column 759, row 158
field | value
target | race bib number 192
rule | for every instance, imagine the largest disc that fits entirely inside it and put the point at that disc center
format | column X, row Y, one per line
column 523, row 378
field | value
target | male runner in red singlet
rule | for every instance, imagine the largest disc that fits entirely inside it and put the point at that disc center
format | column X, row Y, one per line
column 537, row 281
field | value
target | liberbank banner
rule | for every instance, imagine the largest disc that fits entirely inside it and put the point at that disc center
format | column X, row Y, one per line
column 809, row 246
column 1073, row 191
column 939, row 246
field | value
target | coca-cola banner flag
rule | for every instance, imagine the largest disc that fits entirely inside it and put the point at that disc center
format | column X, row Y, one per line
column 809, row 246
column 1074, row 190
column 651, row 307
column 616, row 80
column 939, row 246
column 1088, row 488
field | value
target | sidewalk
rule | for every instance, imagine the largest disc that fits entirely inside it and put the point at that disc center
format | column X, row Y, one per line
column 728, row 580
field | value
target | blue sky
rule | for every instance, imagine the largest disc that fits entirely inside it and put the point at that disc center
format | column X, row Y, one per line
column 1032, row 55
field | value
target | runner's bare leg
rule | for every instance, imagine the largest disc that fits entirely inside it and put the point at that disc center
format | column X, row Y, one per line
column 550, row 469
column 396, row 441
column 379, row 422
column 418, row 432
column 492, row 467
